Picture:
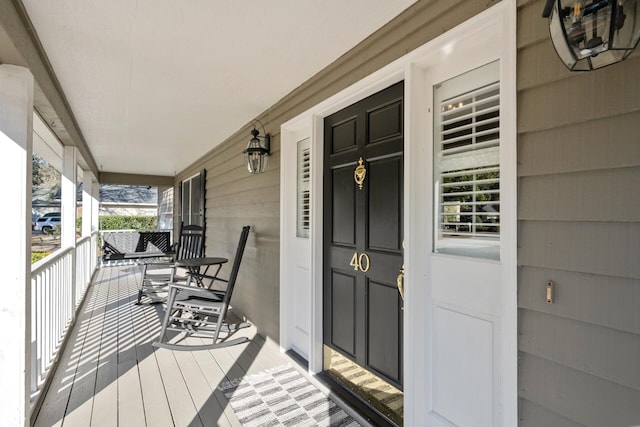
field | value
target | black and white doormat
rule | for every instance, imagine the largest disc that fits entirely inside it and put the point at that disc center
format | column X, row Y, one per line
column 283, row 397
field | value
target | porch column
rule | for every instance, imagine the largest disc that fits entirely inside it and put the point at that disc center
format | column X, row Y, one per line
column 87, row 203
column 95, row 216
column 68, row 205
column 69, row 196
column 16, row 133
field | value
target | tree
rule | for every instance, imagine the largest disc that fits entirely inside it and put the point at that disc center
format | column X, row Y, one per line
column 37, row 163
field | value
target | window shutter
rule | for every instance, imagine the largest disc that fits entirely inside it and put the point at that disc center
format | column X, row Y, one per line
column 202, row 217
column 185, row 196
column 303, row 216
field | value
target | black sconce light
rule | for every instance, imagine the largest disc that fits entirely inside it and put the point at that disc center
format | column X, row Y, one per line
column 591, row 35
column 258, row 151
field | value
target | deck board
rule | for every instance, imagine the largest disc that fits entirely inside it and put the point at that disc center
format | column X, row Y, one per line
column 183, row 409
column 130, row 402
column 215, row 376
column 110, row 375
column 106, row 385
column 79, row 408
column 154, row 399
column 209, row 409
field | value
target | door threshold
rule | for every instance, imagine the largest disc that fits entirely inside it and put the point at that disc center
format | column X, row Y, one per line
column 354, row 401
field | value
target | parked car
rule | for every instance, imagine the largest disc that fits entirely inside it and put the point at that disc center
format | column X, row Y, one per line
column 47, row 224
column 34, row 218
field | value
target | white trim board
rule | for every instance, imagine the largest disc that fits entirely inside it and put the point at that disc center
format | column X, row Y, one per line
column 493, row 35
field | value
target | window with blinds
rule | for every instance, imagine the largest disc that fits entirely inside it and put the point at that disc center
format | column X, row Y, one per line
column 193, row 200
column 303, row 216
column 467, row 163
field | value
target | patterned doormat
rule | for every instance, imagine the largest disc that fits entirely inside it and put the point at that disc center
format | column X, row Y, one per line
column 283, row 397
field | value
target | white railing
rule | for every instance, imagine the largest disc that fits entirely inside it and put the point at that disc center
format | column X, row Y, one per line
column 85, row 263
column 56, row 291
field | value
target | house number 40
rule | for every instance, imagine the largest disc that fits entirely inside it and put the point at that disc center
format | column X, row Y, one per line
column 360, row 262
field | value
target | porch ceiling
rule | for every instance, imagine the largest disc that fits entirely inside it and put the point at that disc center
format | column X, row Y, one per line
column 155, row 84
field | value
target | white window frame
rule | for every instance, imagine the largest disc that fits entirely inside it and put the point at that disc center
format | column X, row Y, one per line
column 472, row 158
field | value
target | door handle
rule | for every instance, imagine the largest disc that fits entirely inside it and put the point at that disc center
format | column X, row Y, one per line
column 400, row 282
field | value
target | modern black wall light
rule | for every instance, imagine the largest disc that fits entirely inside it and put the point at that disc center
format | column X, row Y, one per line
column 258, row 151
column 590, row 35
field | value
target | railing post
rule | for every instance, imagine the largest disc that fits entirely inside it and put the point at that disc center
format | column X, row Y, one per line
column 16, row 134
column 34, row 337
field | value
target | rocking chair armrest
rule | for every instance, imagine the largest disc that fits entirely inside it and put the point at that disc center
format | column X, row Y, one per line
column 190, row 289
column 205, row 276
column 186, row 291
column 166, row 264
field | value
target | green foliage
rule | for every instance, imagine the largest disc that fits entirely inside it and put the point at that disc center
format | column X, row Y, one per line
column 470, row 199
column 124, row 222
column 37, row 256
column 36, row 174
column 43, row 174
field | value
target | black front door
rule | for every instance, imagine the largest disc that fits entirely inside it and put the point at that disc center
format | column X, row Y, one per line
column 363, row 187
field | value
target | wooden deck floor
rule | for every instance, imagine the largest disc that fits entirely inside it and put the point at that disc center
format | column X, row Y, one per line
column 110, row 375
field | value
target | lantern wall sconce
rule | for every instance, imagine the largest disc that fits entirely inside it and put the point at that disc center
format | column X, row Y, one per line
column 591, row 35
column 258, row 151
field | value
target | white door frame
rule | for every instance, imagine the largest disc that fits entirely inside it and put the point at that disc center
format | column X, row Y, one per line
column 499, row 20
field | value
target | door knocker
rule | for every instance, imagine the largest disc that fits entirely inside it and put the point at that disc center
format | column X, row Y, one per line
column 360, row 173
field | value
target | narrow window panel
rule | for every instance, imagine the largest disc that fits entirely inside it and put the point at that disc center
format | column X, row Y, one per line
column 303, row 190
column 193, row 200
column 467, row 164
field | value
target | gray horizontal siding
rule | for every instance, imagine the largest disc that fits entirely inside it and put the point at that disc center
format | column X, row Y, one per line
column 601, row 195
column 576, row 395
column 602, row 352
column 533, row 415
column 605, row 143
column 529, row 31
column 583, row 97
column 579, row 226
column 609, row 248
column 583, row 297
